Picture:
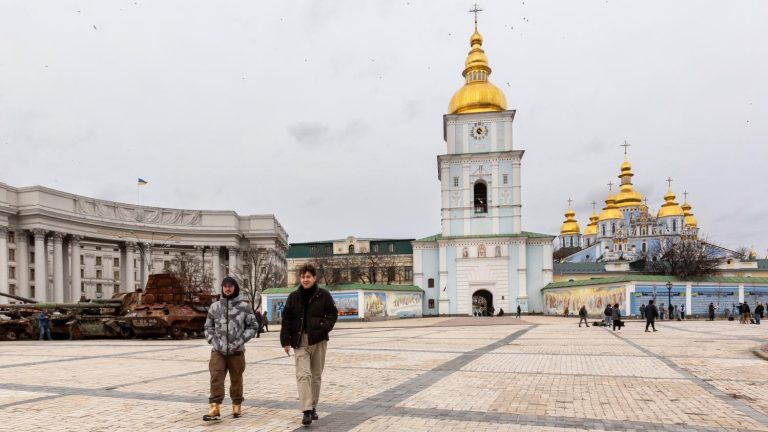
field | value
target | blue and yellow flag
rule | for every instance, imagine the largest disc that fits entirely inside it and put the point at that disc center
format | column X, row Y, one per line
column 142, row 182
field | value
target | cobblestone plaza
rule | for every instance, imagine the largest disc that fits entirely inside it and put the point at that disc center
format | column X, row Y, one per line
column 442, row 374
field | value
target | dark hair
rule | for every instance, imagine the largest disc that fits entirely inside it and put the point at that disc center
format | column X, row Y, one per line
column 307, row 268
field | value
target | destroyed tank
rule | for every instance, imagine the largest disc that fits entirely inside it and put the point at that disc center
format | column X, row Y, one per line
column 165, row 308
column 66, row 320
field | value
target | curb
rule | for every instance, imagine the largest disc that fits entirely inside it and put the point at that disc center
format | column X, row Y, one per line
column 761, row 351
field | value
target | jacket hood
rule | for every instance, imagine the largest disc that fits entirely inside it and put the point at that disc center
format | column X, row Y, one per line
column 233, row 282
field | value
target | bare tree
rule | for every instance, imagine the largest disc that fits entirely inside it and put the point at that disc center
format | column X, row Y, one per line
column 682, row 258
column 191, row 273
column 261, row 269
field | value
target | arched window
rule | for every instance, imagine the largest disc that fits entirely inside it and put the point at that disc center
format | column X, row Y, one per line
column 613, row 228
column 674, row 225
column 351, row 249
column 481, row 197
column 644, row 248
column 603, row 229
column 570, row 240
column 430, row 283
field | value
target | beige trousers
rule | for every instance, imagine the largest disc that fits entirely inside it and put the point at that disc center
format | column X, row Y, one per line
column 310, row 361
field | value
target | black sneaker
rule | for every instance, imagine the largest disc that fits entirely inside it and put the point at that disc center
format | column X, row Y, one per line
column 314, row 414
column 306, row 420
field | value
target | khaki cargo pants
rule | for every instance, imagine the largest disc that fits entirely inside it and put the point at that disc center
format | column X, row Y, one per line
column 219, row 365
column 310, row 360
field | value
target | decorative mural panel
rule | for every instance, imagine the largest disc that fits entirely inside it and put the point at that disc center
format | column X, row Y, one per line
column 347, row 305
column 595, row 299
column 390, row 305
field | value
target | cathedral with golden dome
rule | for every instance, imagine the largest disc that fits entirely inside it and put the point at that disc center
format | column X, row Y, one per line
column 626, row 229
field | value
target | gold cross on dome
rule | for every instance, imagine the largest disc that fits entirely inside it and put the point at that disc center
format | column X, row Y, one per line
column 475, row 10
column 669, row 181
column 610, row 186
column 569, row 202
column 625, row 145
column 593, row 205
column 685, row 194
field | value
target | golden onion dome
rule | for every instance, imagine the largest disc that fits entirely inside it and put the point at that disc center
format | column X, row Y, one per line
column 670, row 207
column 627, row 196
column 570, row 225
column 591, row 228
column 477, row 94
column 690, row 219
column 610, row 211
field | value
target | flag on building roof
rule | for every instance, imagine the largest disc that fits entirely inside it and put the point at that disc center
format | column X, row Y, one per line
column 142, row 182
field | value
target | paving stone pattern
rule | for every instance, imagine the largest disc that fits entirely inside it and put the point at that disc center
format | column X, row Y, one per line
column 459, row 374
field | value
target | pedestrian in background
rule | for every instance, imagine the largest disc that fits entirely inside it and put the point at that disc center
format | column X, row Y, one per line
column 759, row 310
column 608, row 315
column 43, row 324
column 616, row 317
column 711, row 311
column 682, row 311
column 662, row 311
column 745, row 313
column 583, row 315
column 519, row 311
column 650, row 315
column 642, row 311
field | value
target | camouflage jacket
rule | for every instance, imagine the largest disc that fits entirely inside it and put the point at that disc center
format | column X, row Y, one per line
column 230, row 324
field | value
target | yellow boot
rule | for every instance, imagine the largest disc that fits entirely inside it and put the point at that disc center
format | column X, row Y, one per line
column 214, row 412
column 236, row 410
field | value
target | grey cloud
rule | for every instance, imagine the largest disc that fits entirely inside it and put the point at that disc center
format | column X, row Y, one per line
column 314, row 135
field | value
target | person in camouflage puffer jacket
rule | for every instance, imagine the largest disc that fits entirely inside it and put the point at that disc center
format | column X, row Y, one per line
column 230, row 324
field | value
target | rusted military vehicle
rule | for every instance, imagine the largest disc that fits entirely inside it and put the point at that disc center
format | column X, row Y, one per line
column 166, row 308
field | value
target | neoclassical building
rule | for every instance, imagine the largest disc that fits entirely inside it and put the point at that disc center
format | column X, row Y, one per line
column 56, row 246
column 482, row 258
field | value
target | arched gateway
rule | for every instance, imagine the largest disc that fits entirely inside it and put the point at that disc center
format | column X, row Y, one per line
column 482, row 303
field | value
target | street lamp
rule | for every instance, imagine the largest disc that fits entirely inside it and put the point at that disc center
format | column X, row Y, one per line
column 669, row 293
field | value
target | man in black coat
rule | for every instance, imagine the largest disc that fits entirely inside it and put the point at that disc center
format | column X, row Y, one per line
column 651, row 312
column 309, row 315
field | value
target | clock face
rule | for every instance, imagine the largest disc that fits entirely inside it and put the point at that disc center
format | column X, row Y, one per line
column 479, row 131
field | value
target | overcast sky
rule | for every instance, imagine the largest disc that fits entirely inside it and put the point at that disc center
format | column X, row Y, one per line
column 329, row 114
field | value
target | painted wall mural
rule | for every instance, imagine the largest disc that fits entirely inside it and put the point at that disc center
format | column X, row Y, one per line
column 390, row 305
column 347, row 305
column 275, row 306
column 595, row 299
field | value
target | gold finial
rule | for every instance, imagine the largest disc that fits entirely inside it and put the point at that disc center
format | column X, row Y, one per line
column 685, row 194
column 610, row 186
column 669, row 181
column 569, row 202
column 477, row 94
column 593, row 205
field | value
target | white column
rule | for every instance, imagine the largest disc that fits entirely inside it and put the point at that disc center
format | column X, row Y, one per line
column 216, row 264
column 522, row 277
column 741, row 293
column 58, row 268
column 688, row 310
column 4, row 287
column 467, row 200
column 232, row 260
column 74, row 289
column 22, row 264
column 146, row 264
column 517, row 201
column 41, row 276
column 67, row 273
column 494, row 202
column 444, row 303
column 129, row 272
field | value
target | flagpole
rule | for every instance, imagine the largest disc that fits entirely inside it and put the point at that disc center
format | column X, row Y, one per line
column 138, row 189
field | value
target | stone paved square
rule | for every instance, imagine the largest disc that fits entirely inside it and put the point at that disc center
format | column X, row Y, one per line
column 445, row 374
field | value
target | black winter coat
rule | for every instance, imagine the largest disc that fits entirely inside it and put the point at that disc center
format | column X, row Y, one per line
column 322, row 316
column 651, row 312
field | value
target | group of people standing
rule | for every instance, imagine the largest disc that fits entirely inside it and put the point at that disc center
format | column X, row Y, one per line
column 309, row 316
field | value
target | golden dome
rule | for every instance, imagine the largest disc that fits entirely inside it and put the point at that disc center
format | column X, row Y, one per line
column 570, row 225
column 477, row 94
column 690, row 219
column 627, row 196
column 670, row 207
column 591, row 228
column 610, row 211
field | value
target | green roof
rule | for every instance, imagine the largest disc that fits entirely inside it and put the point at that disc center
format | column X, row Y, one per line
column 528, row 234
column 580, row 267
column 657, row 278
column 303, row 250
column 351, row 287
